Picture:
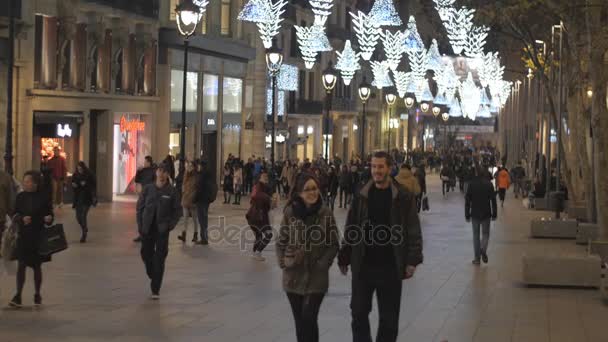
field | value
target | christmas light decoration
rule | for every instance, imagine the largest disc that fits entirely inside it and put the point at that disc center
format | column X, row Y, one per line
column 413, row 41
column 257, row 11
column 417, row 59
column 490, row 69
column 402, row 81
column 455, row 110
column 420, row 87
column 320, row 42
column 347, row 63
column 440, row 100
column 447, row 80
column 382, row 78
column 484, row 99
column 393, row 47
column 484, row 112
column 306, row 35
column 458, row 28
column 367, row 34
column 433, row 58
column 412, row 88
column 469, row 97
column 476, row 40
column 287, row 79
column 269, row 30
column 280, row 102
column 505, row 92
column 444, row 7
column 322, row 10
column 426, row 95
column 383, row 13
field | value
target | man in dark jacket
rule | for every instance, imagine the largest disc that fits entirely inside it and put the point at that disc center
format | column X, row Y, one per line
column 205, row 195
column 158, row 210
column 143, row 177
column 480, row 207
column 383, row 245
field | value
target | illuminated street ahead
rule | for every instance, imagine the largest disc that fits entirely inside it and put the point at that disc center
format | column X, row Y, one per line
column 99, row 291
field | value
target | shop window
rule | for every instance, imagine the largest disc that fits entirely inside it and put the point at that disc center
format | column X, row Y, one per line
column 177, row 86
column 210, row 93
column 132, row 143
column 233, row 94
column 225, row 18
column 232, row 117
column 117, row 71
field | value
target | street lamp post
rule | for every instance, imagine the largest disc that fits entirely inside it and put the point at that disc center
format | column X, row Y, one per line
column 188, row 15
column 390, row 101
column 445, row 117
column 274, row 60
column 410, row 100
column 364, row 93
column 329, row 82
column 8, row 156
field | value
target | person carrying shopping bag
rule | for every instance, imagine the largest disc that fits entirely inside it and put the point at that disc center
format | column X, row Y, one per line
column 188, row 206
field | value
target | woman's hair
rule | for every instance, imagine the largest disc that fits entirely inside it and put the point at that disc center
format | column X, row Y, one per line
column 83, row 166
column 36, row 176
column 298, row 187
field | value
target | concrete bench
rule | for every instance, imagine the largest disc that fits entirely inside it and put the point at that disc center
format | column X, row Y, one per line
column 577, row 212
column 599, row 248
column 587, row 232
column 552, row 228
column 562, row 270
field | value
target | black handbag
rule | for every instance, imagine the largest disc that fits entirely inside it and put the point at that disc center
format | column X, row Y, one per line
column 52, row 240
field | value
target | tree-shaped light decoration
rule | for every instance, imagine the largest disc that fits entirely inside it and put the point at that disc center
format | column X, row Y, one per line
column 440, row 100
column 476, row 41
column 347, row 63
column 306, row 35
column 483, row 112
column 484, row 99
column 444, row 7
column 319, row 39
column 269, row 30
column 433, row 58
column 505, row 92
column 426, row 95
column 402, row 81
column 287, row 79
column 322, row 10
column 489, row 69
column 447, row 80
column 383, row 13
column 412, row 88
column 393, row 47
column 417, row 61
column 458, row 28
column 421, row 86
column 367, row 34
column 413, row 41
column 382, row 78
column 257, row 11
column 455, row 110
column 469, row 97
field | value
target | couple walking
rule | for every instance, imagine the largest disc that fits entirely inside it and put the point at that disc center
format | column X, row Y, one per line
column 382, row 245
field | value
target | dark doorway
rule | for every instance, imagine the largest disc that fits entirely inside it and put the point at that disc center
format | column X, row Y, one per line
column 209, row 153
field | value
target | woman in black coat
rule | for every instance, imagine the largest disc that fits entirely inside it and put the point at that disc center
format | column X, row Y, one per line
column 83, row 183
column 33, row 211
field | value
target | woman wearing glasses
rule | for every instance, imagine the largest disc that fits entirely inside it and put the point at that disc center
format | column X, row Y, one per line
column 307, row 245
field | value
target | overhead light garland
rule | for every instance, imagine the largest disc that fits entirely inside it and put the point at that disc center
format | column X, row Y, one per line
column 269, row 30
column 393, row 47
column 322, row 10
column 455, row 110
column 412, row 88
column 447, row 80
column 458, row 28
column 476, row 40
column 383, row 13
column 440, row 100
column 305, row 36
column 319, row 39
column 402, row 81
column 413, row 41
column 382, row 78
column 347, row 63
column 444, row 8
column 257, row 11
column 367, row 34
column 470, row 97
column 287, row 79
column 417, row 60
column 433, row 58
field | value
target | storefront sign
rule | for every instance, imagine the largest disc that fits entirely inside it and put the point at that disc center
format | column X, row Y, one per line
column 210, row 122
column 64, row 131
column 131, row 126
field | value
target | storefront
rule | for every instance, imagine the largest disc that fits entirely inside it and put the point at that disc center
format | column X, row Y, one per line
column 56, row 130
column 132, row 143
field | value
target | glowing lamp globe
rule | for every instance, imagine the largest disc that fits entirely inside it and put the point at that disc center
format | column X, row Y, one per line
column 409, row 102
column 436, row 111
column 391, row 98
column 445, row 116
column 425, row 107
column 188, row 15
column 330, row 77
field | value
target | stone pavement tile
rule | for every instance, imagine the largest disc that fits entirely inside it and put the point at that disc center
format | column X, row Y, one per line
column 493, row 334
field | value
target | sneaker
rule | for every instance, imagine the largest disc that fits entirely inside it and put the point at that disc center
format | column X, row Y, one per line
column 484, row 257
column 195, row 237
column 476, row 262
column 15, row 302
column 155, row 296
column 182, row 237
column 258, row 257
column 37, row 300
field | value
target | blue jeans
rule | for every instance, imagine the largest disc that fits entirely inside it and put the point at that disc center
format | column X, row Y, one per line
column 482, row 245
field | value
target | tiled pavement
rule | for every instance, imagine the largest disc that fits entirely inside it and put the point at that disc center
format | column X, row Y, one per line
column 99, row 291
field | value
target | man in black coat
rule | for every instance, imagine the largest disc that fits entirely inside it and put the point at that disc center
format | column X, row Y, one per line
column 206, row 192
column 143, row 177
column 158, row 210
column 480, row 207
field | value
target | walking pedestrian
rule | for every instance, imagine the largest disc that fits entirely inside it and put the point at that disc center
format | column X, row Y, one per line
column 257, row 216
column 345, row 182
column 85, row 196
column 33, row 211
column 480, row 207
column 519, row 176
column 59, row 172
column 332, row 183
column 447, row 174
column 237, row 181
column 158, row 210
column 206, row 192
column 383, row 246
column 228, row 186
column 143, row 177
column 187, row 202
column 307, row 245
column 503, row 182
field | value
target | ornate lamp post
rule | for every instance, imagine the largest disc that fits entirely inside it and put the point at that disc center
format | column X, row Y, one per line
column 365, row 90
column 390, row 98
column 330, row 76
column 188, row 15
column 274, row 60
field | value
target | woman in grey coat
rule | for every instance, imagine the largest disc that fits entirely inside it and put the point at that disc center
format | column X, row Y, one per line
column 307, row 245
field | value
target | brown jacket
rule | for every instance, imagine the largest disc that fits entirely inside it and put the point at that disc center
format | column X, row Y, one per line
column 189, row 190
column 407, row 179
column 310, row 274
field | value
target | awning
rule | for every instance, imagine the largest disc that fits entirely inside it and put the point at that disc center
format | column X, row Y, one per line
column 212, row 46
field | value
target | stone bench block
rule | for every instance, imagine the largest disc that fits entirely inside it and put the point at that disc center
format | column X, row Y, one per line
column 562, row 270
column 587, row 232
column 552, row 228
column 577, row 213
column 600, row 248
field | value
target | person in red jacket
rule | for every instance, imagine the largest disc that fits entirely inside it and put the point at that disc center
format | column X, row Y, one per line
column 59, row 172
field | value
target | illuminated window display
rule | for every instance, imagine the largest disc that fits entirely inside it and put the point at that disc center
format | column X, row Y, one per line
column 131, row 145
